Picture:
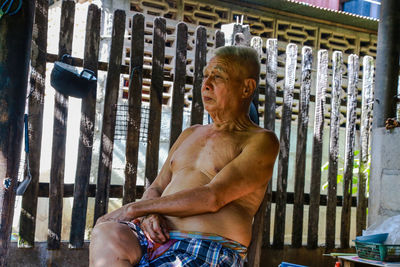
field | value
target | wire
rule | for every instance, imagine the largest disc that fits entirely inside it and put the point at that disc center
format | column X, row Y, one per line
column 7, row 11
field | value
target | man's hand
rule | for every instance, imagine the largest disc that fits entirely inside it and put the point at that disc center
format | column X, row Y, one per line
column 118, row 215
column 155, row 228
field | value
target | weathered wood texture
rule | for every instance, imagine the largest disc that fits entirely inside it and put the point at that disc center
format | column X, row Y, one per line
column 300, row 167
column 178, row 96
column 283, row 167
column 366, row 120
column 110, row 109
column 156, row 91
column 134, row 108
column 315, row 185
column 254, row 253
column 351, row 116
column 27, row 223
column 15, row 47
column 256, row 43
column 199, row 64
column 59, row 134
column 116, row 191
column 269, row 123
column 337, row 62
column 88, row 112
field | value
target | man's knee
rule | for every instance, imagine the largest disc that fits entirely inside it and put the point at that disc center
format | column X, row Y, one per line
column 116, row 240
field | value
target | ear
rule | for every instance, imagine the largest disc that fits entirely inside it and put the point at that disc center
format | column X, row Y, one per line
column 249, row 87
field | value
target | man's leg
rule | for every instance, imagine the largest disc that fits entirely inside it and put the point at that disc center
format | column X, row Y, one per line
column 114, row 244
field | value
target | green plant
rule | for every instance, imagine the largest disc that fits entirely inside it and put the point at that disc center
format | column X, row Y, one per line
column 357, row 171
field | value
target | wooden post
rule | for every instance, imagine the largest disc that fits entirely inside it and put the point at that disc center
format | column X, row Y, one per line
column 88, row 113
column 337, row 62
column 59, row 134
column 269, row 122
column 178, row 97
column 110, row 110
column 27, row 223
column 135, row 108
column 156, row 95
column 15, row 48
column 366, row 120
column 283, row 164
column 315, row 186
column 199, row 64
column 258, row 223
column 353, row 68
column 300, row 169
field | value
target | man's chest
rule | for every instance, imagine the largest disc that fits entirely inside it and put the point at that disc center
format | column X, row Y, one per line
column 208, row 153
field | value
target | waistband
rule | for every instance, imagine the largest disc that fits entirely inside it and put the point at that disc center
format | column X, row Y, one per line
column 225, row 242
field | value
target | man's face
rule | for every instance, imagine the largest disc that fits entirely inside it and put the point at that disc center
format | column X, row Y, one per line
column 221, row 85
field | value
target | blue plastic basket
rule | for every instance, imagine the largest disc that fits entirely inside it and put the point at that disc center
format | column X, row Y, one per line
column 377, row 251
column 287, row 264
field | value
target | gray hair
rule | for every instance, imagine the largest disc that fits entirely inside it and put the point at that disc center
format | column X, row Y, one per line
column 244, row 57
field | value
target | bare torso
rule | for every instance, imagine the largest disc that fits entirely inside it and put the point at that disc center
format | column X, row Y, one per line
column 196, row 162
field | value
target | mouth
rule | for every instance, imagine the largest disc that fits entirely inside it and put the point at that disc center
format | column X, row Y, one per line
column 206, row 98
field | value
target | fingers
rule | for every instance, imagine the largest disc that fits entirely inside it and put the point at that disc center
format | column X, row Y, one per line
column 155, row 229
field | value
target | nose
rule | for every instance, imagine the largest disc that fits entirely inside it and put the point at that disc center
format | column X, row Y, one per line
column 207, row 84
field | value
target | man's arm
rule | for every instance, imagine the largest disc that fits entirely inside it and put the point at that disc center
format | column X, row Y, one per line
column 245, row 174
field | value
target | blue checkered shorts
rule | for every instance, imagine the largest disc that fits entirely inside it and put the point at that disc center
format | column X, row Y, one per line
column 189, row 252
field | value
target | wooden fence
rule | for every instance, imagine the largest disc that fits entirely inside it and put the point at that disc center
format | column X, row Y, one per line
column 56, row 190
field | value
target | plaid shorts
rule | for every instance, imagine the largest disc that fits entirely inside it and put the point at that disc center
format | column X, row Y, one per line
column 191, row 252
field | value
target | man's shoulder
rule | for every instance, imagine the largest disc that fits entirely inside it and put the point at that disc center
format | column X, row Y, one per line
column 263, row 139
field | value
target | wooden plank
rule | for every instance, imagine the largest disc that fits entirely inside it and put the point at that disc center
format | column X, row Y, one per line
column 280, row 211
column 110, row 108
column 134, row 108
column 15, row 47
column 219, row 38
column 116, row 192
column 337, row 62
column 366, row 120
column 269, row 123
column 88, row 117
column 315, row 185
column 156, row 90
column 300, row 167
column 27, row 222
column 351, row 116
column 254, row 252
column 179, row 82
column 256, row 43
column 59, row 134
column 199, row 64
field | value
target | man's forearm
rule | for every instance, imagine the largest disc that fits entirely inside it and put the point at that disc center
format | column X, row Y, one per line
column 181, row 204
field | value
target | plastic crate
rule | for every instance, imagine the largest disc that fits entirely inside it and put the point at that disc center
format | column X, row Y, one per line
column 376, row 251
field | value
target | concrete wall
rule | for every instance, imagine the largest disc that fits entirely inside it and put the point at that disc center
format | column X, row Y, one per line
column 384, row 198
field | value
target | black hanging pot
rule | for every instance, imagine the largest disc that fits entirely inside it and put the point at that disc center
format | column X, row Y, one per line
column 67, row 80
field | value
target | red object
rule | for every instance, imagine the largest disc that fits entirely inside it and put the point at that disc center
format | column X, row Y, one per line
column 337, row 264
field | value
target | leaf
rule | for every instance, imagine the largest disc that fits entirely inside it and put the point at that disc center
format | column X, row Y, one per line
column 356, row 152
column 325, row 186
column 325, row 166
column 354, row 190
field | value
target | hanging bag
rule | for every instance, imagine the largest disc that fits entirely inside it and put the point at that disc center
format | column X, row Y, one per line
column 67, row 79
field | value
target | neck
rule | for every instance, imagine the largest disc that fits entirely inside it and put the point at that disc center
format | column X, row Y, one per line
column 231, row 123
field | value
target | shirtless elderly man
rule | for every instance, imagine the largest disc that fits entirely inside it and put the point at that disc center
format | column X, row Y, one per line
column 200, row 208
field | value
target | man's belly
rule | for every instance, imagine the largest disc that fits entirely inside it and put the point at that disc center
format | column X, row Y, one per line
column 234, row 221
column 227, row 222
